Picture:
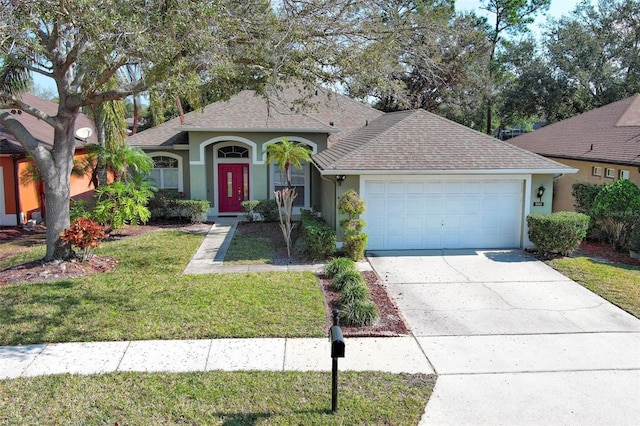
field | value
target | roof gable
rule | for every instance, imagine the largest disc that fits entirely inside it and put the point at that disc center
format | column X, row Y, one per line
column 321, row 112
column 422, row 141
column 610, row 133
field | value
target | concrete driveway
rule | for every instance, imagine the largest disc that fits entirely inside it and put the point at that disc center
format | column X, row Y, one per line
column 513, row 341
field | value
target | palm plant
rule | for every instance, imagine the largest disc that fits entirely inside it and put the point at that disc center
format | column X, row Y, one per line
column 286, row 154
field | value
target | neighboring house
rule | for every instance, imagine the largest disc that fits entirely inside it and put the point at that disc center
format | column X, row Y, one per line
column 20, row 196
column 603, row 144
column 428, row 183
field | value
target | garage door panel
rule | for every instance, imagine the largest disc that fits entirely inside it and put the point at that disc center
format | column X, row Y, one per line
column 441, row 213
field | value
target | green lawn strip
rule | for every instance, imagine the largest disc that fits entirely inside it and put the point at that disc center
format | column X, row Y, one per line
column 619, row 284
column 231, row 398
column 249, row 250
column 147, row 297
column 26, row 254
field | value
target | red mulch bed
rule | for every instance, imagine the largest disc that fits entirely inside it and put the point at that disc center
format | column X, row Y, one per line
column 604, row 252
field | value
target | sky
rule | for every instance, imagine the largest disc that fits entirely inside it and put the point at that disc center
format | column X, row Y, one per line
column 556, row 10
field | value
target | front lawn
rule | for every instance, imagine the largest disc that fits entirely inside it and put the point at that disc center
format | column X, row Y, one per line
column 238, row 398
column 147, row 297
column 619, row 284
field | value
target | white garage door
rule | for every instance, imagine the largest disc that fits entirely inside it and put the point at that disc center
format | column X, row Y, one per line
column 428, row 213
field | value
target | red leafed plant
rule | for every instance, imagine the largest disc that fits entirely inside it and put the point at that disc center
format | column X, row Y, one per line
column 84, row 234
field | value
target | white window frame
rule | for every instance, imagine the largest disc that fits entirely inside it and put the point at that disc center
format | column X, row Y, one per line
column 596, row 171
column 175, row 157
column 610, row 173
column 624, row 174
column 306, row 167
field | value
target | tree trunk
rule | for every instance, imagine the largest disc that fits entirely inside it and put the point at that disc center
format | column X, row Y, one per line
column 57, row 195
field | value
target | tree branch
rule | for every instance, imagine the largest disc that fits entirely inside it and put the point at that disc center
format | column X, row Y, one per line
column 17, row 102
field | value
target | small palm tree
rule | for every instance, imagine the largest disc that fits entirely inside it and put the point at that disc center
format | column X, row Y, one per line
column 286, row 154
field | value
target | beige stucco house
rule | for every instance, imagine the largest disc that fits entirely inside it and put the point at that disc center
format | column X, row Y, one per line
column 602, row 144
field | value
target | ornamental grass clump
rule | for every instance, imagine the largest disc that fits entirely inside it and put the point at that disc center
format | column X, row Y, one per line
column 338, row 265
column 354, row 291
column 359, row 313
column 341, row 280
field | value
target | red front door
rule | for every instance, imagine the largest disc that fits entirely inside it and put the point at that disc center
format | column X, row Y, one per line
column 233, row 186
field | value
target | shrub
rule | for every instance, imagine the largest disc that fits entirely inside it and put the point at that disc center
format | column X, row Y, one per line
column 355, row 245
column 616, row 209
column 585, row 195
column 248, row 208
column 78, row 209
column 354, row 291
column 559, row 232
column 170, row 203
column 268, row 209
column 338, row 265
column 359, row 313
column 634, row 238
column 317, row 239
column 119, row 203
column 84, row 234
column 346, row 278
column 194, row 210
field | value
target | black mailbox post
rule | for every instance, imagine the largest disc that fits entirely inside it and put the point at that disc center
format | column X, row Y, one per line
column 337, row 351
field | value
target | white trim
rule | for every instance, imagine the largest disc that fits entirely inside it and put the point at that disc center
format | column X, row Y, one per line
column 215, row 210
column 203, row 145
column 257, row 129
column 314, row 146
column 180, row 167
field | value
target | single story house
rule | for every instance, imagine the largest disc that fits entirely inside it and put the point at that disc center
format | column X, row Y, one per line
column 428, row 182
column 22, row 198
column 602, row 144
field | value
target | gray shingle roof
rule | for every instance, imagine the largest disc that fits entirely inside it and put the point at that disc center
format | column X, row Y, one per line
column 422, row 141
column 610, row 134
column 247, row 111
column 40, row 130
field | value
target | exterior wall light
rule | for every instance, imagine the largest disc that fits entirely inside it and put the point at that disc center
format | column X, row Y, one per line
column 340, row 179
column 540, row 193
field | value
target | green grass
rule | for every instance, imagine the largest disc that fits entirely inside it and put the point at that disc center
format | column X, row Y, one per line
column 619, row 284
column 215, row 398
column 147, row 297
column 249, row 250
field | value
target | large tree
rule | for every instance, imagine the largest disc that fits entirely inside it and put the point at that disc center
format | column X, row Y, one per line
column 587, row 59
column 508, row 17
column 175, row 47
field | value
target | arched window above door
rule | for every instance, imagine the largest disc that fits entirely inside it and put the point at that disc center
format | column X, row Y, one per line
column 233, row 151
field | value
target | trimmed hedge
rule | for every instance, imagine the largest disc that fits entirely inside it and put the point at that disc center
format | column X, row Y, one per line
column 166, row 204
column 559, row 232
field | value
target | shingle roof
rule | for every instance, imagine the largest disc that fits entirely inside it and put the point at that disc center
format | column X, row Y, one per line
column 42, row 131
column 422, row 141
column 610, row 134
column 247, row 111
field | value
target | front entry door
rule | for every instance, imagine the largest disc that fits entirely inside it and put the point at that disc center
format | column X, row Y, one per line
column 233, row 186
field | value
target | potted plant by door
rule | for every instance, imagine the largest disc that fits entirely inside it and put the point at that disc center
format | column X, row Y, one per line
column 634, row 242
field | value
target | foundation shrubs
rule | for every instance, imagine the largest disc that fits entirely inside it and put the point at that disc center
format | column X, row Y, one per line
column 559, row 232
column 170, row 204
column 616, row 209
column 338, row 265
column 317, row 240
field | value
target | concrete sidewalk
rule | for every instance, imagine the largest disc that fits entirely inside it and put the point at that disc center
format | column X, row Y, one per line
column 267, row 354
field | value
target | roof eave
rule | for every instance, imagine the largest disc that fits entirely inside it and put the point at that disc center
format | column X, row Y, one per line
column 331, row 172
